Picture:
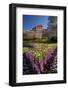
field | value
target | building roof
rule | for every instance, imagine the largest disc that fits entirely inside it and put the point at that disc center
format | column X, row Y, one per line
column 39, row 25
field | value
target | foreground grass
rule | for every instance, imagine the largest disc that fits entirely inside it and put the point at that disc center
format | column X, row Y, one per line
column 41, row 46
column 40, row 49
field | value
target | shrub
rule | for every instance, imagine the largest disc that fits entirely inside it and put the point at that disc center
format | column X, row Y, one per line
column 53, row 39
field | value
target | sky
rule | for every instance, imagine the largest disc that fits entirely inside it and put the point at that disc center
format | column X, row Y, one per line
column 29, row 21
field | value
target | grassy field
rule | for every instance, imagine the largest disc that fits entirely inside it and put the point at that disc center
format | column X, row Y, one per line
column 40, row 49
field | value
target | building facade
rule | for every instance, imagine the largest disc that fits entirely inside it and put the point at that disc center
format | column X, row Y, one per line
column 36, row 32
column 39, row 30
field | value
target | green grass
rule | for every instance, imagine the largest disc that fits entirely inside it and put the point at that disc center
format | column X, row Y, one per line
column 40, row 50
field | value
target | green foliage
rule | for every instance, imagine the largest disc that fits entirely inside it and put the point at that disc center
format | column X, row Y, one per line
column 53, row 39
column 39, row 52
column 25, row 49
column 50, row 39
column 36, row 40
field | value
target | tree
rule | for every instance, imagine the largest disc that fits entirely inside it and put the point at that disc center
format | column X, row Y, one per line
column 52, row 25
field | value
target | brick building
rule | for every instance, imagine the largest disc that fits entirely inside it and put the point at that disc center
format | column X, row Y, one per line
column 39, row 30
column 36, row 32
